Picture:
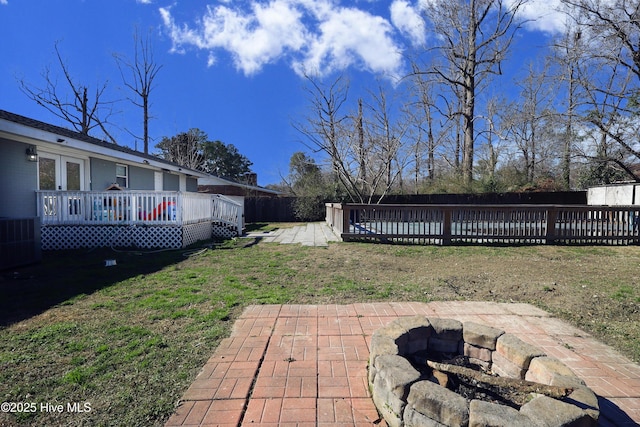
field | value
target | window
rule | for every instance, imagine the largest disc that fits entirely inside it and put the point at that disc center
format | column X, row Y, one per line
column 56, row 172
column 47, row 170
column 122, row 175
column 73, row 176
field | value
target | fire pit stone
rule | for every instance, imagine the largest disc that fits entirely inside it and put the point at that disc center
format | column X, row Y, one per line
column 512, row 356
column 491, row 414
column 406, row 397
column 428, row 401
column 395, row 376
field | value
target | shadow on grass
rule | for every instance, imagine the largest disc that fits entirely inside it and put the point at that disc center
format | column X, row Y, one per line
column 63, row 275
column 257, row 226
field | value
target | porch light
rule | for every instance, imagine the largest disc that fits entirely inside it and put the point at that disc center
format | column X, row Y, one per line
column 32, row 154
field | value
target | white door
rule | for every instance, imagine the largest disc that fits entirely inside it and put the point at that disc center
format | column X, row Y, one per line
column 56, row 172
column 60, row 173
column 72, row 174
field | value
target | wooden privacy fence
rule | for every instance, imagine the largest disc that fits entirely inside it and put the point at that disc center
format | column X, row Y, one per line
column 19, row 242
column 270, row 209
column 512, row 224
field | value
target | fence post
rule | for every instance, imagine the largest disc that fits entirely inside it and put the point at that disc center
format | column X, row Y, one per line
column 446, row 227
column 552, row 216
column 346, row 213
column 328, row 213
column 240, row 219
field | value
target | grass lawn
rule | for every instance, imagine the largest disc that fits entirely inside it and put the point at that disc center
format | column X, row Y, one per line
column 128, row 340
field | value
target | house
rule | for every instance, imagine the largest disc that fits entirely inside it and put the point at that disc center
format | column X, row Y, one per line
column 237, row 191
column 79, row 191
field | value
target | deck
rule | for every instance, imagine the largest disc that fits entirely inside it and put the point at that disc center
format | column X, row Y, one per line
column 143, row 219
column 508, row 224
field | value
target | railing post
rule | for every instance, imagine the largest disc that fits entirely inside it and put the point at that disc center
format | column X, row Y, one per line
column 240, row 219
column 552, row 217
column 180, row 206
column 446, row 226
column 346, row 213
column 328, row 214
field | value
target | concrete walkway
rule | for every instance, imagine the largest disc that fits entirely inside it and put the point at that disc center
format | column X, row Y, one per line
column 310, row 234
column 306, row 365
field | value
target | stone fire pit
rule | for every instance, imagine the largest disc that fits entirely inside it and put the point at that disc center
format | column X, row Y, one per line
column 405, row 396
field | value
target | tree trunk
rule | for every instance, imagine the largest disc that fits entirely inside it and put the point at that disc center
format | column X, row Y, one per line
column 361, row 151
column 566, row 155
column 145, row 123
column 468, row 111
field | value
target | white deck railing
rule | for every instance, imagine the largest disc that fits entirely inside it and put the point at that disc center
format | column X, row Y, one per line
column 136, row 207
column 227, row 211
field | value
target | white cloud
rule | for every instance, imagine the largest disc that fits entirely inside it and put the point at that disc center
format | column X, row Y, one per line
column 408, row 20
column 179, row 36
column 315, row 35
column 544, row 15
column 348, row 37
column 4, row 1
column 319, row 36
column 541, row 15
column 253, row 39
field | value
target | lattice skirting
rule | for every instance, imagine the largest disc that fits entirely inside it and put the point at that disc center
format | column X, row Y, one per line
column 223, row 232
column 61, row 237
column 193, row 233
column 124, row 236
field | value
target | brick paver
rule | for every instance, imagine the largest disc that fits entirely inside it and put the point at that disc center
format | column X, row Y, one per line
column 306, row 365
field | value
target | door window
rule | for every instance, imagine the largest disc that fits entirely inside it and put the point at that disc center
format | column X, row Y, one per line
column 60, row 173
column 47, row 173
column 73, row 176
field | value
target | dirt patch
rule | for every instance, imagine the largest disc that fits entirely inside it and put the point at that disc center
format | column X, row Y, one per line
column 595, row 288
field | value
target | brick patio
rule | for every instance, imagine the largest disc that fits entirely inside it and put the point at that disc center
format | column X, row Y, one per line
column 305, row 365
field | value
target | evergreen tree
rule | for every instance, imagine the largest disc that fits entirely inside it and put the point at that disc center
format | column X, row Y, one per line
column 192, row 149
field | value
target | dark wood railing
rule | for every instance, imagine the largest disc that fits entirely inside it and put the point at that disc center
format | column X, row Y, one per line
column 512, row 224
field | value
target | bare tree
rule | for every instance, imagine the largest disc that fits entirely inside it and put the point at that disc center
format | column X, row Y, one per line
column 527, row 118
column 418, row 109
column 475, row 37
column 326, row 130
column 387, row 127
column 361, row 152
column 434, row 121
column 426, row 125
column 81, row 110
column 494, row 137
column 569, row 52
column 608, row 160
column 611, row 31
column 365, row 147
column 138, row 76
column 185, row 149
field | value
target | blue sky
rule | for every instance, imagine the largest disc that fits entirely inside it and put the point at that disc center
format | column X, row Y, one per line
column 230, row 68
